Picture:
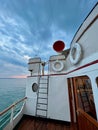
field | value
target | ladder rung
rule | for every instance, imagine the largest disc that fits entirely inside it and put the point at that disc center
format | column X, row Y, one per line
column 42, row 98
column 42, row 87
column 39, row 103
column 41, row 109
column 42, row 92
column 86, row 105
column 43, row 83
column 43, row 78
column 83, row 96
column 41, row 116
column 86, row 101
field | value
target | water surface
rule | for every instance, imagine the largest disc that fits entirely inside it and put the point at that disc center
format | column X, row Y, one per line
column 11, row 90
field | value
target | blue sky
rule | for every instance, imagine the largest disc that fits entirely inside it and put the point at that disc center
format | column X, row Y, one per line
column 28, row 28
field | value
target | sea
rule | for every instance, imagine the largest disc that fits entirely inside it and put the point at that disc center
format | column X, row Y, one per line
column 11, row 90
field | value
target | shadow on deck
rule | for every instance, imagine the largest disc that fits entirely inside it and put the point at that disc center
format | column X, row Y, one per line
column 32, row 123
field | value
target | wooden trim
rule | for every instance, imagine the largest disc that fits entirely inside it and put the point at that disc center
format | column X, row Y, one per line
column 4, row 111
column 87, row 27
column 70, row 100
column 75, row 92
column 82, row 117
column 92, row 120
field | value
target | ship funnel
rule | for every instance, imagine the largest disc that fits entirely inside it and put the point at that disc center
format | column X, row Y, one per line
column 58, row 46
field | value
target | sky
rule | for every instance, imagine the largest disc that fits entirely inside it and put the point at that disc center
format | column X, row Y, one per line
column 28, row 29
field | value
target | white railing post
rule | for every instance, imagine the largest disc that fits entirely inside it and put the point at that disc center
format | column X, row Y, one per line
column 11, row 118
column 10, row 125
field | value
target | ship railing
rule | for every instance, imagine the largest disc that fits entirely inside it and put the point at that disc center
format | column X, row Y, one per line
column 85, row 121
column 8, row 115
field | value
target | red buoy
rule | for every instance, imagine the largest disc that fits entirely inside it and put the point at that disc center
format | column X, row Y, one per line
column 58, row 46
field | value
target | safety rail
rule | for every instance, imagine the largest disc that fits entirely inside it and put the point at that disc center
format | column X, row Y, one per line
column 85, row 121
column 8, row 115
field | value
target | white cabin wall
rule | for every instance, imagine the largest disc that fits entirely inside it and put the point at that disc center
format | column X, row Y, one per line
column 93, row 76
column 52, row 60
column 88, row 41
column 89, row 19
column 58, row 99
column 92, row 73
column 30, row 106
column 89, row 47
column 34, row 66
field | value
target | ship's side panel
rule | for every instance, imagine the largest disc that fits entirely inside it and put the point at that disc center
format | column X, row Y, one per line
column 58, row 101
column 89, row 44
column 92, row 16
column 91, row 70
column 87, row 38
column 30, row 106
column 94, row 80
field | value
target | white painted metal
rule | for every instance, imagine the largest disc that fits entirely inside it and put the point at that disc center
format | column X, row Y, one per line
column 58, row 100
column 34, row 65
column 42, row 99
column 14, row 120
column 30, row 106
column 11, row 120
column 60, row 59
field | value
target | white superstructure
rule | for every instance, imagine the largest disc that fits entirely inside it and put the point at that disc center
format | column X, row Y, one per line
column 70, row 88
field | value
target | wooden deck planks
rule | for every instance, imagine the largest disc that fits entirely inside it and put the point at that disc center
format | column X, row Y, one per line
column 32, row 123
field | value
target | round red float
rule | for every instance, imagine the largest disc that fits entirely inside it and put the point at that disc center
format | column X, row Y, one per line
column 58, row 46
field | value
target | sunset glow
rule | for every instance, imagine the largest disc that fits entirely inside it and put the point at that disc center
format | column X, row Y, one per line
column 19, row 76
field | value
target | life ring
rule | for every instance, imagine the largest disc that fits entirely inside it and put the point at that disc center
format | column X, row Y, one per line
column 57, row 66
column 75, row 53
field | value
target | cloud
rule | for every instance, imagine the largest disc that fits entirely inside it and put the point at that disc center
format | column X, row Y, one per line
column 26, row 57
column 8, row 70
column 29, row 29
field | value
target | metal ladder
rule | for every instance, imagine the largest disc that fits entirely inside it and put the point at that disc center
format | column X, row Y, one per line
column 42, row 97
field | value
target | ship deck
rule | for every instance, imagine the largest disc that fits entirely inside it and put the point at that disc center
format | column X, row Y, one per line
column 32, row 123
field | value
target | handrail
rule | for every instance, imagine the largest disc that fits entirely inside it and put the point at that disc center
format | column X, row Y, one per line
column 92, row 120
column 4, row 111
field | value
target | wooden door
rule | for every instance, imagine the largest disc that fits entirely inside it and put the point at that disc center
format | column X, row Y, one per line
column 85, row 107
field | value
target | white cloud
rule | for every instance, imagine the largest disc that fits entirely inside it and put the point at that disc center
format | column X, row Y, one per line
column 26, row 57
column 2, row 25
column 22, row 38
column 8, row 19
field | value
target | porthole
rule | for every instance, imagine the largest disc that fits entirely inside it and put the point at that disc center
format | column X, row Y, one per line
column 34, row 87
